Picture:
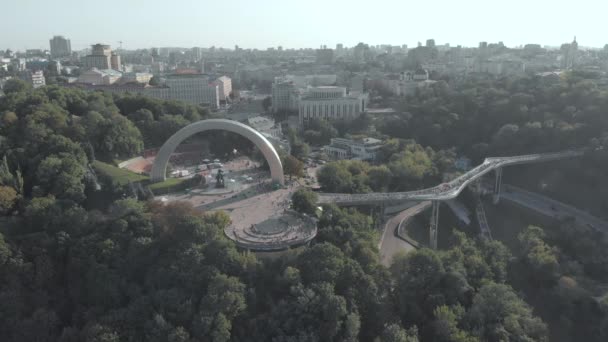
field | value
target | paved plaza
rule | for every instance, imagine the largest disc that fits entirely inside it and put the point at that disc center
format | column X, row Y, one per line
column 261, row 216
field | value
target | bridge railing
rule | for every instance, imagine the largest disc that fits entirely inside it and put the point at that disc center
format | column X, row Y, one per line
column 450, row 189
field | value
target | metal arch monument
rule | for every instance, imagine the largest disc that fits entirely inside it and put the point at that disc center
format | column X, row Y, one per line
column 159, row 168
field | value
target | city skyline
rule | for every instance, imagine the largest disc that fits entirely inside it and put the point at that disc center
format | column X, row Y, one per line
column 187, row 23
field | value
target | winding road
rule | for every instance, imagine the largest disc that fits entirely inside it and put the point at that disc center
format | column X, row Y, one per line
column 390, row 244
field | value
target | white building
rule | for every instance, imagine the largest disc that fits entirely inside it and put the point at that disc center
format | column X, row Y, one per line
column 330, row 103
column 195, row 89
column 97, row 77
column 270, row 130
column 265, row 124
column 36, row 78
column 364, row 149
column 225, row 87
column 136, row 77
column 287, row 90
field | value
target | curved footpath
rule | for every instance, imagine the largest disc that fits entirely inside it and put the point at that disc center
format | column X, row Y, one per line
column 449, row 190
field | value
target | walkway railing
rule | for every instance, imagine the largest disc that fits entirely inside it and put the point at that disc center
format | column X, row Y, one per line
column 449, row 190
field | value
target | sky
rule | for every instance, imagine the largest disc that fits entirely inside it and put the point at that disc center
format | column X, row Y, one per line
column 29, row 24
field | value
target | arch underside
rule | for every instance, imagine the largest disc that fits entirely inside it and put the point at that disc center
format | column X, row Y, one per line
column 159, row 167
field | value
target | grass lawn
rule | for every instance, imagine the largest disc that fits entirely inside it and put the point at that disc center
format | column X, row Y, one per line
column 120, row 176
column 170, row 185
column 123, row 176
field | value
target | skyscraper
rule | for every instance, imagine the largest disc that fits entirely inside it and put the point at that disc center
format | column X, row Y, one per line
column 569, row 54
column 60, row 47
column 101, row 57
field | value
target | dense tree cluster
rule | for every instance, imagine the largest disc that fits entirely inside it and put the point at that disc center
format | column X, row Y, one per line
column 48, row 136
column 408, row 166
column 563, row 270
column 461, row 295
column 503, row 116
column 305, row 201
column 146, row 271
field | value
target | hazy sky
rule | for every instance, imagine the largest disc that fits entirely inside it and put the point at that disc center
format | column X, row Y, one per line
column 300, row 23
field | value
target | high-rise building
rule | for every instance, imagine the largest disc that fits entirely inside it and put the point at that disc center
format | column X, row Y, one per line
column 225, row 87
column 361, row 53
column 60, row 47
column 569, row 54
column 197, row 53
column 100, row 57
column 115, row 62
column 284, row 95
column 430, row 43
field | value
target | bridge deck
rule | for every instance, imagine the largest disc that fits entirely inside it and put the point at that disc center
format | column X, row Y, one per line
column 445, row 191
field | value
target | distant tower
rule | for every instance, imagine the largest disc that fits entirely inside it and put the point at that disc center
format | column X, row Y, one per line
column 569, row 54
column 60, row 47
column 573, row 53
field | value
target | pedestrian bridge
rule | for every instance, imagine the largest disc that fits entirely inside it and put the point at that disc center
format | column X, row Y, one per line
column 449, row 190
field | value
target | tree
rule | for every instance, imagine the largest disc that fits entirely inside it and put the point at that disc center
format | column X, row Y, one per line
column 6, row 177
column 16, row 86
column 8, row 197
column 322, row 315
column 154, row 81
column 539, row 257
column 410, row 167
column 334, row 177
column 446, row 322
column 62, row 177
column 300, row 149
column 418, row 276
column 319, row 132
column 498, row 314
column 379, row 178
column 113, row 135
column 395, row 333
column 224, row 300
column 293, row 167
column 266, row 103
column 305, row 201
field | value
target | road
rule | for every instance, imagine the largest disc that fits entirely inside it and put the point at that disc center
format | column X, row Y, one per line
column 390, row 244
column 551, row 207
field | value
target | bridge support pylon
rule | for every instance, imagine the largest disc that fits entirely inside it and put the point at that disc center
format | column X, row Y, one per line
column 497, row 186
column 434, row 229
column 381, row 213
